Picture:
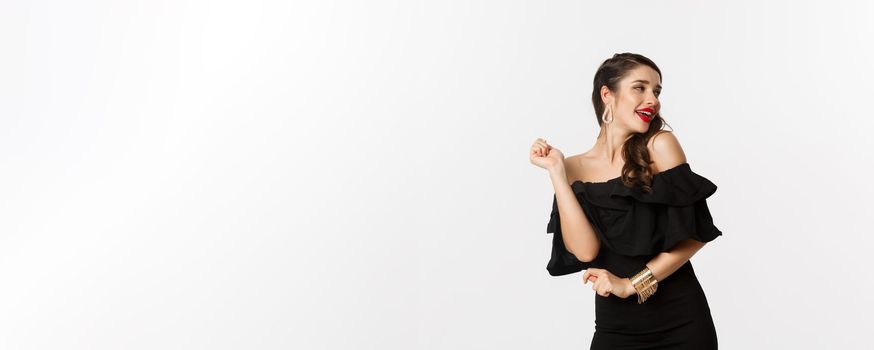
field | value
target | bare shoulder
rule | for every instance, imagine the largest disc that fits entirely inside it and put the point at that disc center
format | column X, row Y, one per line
column 573, row 166
column 665, row 151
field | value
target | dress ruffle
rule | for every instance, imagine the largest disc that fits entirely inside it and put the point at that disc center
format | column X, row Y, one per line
column 632, row 223
column 678, row 186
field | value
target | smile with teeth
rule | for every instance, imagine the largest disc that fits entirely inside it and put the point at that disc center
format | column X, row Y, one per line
column 645, row 115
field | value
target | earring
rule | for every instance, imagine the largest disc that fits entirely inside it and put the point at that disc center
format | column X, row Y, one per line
column 604, row 116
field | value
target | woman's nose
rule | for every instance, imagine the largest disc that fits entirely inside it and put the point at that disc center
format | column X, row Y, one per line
column 652, row 99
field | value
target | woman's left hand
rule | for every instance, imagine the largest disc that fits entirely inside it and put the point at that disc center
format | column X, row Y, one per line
column 605, row 283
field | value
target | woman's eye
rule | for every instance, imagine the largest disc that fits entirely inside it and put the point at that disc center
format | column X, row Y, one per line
column 639, row 87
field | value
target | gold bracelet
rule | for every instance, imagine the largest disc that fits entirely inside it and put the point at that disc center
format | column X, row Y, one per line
column 645, row 284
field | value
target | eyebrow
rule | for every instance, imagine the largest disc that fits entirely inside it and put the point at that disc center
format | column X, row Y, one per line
column 646, row 82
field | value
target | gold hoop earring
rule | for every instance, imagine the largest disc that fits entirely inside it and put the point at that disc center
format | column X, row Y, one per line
column 604, row 116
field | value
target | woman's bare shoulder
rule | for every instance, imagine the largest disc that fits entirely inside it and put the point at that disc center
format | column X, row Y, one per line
column 574, row 166
column 665, row 151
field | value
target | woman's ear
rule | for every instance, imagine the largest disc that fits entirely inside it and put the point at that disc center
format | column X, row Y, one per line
column 606, row 95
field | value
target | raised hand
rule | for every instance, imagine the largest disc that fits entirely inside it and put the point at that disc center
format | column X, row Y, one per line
column 545, row 156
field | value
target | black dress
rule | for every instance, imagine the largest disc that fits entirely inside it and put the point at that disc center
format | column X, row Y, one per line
column 633, row 227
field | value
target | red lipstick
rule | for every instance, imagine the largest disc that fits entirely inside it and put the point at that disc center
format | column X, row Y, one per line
column 642, row 113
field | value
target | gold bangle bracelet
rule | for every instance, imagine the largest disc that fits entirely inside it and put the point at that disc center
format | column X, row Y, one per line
column 645, row 284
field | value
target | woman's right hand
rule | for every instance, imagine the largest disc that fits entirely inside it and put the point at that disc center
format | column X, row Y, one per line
column 546, row 156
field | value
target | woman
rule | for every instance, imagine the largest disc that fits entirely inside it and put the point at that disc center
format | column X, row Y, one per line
column 632, row 213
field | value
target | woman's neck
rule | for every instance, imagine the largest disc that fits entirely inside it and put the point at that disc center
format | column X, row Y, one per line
column 609, row 145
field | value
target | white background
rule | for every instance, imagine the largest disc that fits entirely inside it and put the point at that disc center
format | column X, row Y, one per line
column 355, row 175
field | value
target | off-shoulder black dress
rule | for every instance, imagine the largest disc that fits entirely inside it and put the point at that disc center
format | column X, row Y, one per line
column 633, row 227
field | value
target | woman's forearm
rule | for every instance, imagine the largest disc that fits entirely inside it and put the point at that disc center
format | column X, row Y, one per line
column 666, row 263
column 577, row 232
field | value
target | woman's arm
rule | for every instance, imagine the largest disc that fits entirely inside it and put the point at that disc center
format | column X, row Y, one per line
column 577, row 232
column 666, row 263
column 663, row 265
column 667, row 153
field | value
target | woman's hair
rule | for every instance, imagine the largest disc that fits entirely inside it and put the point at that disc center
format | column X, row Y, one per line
column 636, row 171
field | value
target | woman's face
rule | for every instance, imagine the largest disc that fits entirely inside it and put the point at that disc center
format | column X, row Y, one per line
column 638, row 94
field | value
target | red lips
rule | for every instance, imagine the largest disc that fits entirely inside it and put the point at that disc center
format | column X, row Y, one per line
column 643, row 116
column 648, row 110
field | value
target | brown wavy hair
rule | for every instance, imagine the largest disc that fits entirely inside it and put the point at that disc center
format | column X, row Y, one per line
column 636, row 171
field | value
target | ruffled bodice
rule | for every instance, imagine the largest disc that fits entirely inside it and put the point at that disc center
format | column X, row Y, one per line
column 632, row 223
